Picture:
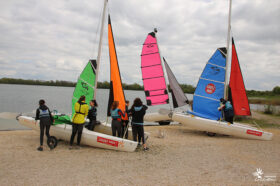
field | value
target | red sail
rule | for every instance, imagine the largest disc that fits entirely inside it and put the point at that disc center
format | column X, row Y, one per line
column 237, row 88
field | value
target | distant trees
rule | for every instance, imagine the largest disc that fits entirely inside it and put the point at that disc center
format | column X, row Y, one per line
column 276, row 90
column 106, row 85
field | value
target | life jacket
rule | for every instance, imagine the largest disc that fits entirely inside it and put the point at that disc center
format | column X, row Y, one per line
column 44, row 113
column 125, row 117
column 115, row 113
column 228, row 106
column 81, row 111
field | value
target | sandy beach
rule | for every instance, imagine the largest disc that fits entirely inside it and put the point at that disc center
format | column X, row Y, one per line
column 182, row 157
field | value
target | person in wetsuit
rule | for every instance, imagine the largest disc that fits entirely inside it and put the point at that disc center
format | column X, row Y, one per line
column 78, row 120
column 137, row 111
column 125, row 120
column 227, row 109
column 92, row 113
column 44, row 115
column 116, row 115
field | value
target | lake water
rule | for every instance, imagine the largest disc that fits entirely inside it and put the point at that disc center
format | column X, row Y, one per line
column 24, row 99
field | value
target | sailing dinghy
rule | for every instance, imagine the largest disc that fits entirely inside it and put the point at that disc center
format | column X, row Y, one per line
column 86, row 85
column 210, row 88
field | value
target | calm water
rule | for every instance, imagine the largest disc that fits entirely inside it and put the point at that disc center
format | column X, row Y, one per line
column 24, row 99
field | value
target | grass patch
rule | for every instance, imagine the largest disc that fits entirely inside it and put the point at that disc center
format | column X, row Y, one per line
column 260, row 122
column 265, row 100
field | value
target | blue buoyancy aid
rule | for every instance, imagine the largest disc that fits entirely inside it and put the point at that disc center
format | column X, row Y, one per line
column 115, row 113
column 44, row 113
column 228, row 106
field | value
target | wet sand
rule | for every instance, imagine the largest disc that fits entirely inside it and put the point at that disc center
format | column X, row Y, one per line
column 182, row 157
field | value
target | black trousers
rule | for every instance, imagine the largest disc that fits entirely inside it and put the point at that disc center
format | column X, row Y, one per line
column 76, row 128
column 138, row 131
column 91, row 125
column 116, row 127
column 229, row 116
column 42, row 128
column 125, row 128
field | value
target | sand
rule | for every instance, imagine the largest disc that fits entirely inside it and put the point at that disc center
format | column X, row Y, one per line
column 182, row 157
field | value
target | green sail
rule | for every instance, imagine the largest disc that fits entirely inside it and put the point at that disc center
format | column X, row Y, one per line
column 85, row 84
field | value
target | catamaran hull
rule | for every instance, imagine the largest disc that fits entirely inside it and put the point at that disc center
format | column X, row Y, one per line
column 99, row 138
column 156, row 117
column 236, row 129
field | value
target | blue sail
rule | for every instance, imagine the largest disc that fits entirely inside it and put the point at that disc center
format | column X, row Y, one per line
column 210, row 87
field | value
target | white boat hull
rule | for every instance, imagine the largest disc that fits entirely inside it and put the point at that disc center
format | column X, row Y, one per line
column 219, row 127
column 100, row 138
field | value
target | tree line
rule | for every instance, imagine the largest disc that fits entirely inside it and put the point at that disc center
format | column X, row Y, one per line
column 106, row 85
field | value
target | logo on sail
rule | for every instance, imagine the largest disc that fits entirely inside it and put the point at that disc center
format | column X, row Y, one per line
column 215, row 70
column 150, row 45
column 210, row 88
column 84, row 85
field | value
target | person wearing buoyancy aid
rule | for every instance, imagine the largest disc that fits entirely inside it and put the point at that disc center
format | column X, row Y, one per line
column 138, row 111
column 92, row 113
column 78, row 120
column 227, row 108
column 125, row 120
column 44, row 115
column 116, row 115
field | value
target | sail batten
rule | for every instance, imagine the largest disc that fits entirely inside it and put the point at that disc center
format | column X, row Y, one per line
column 85, row 84
column 116, row 89
column 152, row 72
column 210, row 87
column 237, row 88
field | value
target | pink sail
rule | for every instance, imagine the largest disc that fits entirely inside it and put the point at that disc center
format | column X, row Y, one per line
column 152, row 72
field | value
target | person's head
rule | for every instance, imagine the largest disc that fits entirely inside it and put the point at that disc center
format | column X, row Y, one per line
column 222, row 100
column 82, row 98
column 127, row 103
column 41, row 102
column 137, row 102
column 115, row 105
column 93, row 103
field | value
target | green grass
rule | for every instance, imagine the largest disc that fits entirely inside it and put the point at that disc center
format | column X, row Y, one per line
column 266, row 100
column 260, row 122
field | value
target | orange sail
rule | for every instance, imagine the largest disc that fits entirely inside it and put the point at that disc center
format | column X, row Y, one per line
column 237, row 88
column 116, row 90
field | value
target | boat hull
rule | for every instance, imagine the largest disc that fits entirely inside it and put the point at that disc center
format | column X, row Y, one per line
column 219, row 127
column 100, row 138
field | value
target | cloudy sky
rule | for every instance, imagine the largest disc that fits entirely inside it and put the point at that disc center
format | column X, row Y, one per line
column 53, row 40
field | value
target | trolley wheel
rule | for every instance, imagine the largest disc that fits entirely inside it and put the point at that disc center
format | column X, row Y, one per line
column 52, row 142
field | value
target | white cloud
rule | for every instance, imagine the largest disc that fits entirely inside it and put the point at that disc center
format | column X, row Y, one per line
column 53, row 40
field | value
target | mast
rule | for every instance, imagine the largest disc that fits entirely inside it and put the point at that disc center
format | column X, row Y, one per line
column 100, row 47
column 227, row 56
column 155, row 31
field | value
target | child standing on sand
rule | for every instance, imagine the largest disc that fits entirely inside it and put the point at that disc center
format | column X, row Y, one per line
column 44, row 115
column 116, row 115
column 137, row 111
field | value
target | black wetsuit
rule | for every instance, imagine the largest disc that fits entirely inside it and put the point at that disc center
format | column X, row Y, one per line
column 44, row 115
column 92, row 113
column 137, row 122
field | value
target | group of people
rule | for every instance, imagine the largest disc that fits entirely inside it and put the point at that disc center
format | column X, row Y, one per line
column 120, row 120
